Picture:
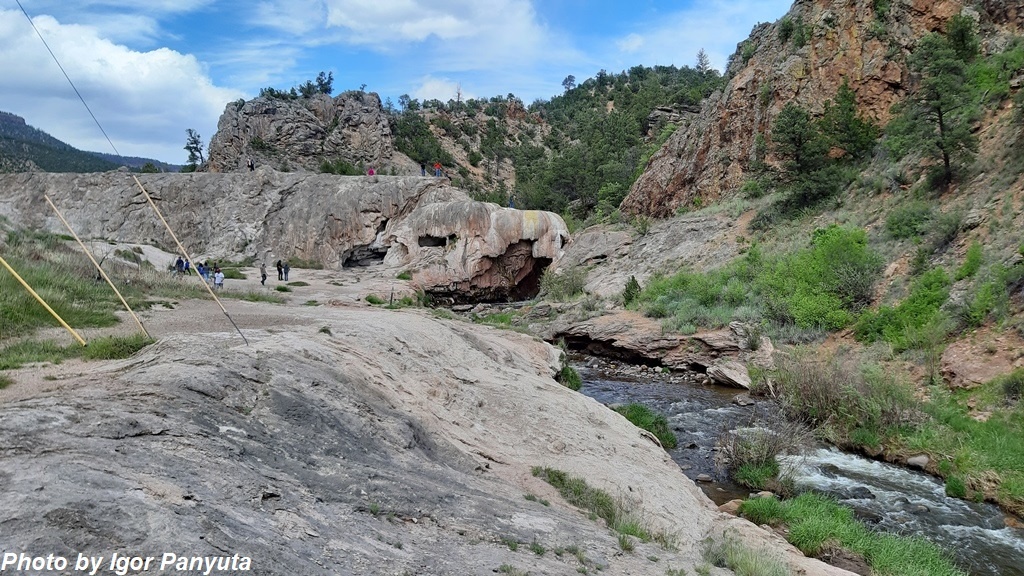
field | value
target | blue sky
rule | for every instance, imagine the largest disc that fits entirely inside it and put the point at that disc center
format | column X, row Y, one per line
column 150, row 69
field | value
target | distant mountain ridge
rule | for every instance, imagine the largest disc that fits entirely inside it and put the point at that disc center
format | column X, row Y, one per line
column 26, row 148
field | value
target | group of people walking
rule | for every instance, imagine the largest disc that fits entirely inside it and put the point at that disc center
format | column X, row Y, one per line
column 210, row 271
column 206, row 270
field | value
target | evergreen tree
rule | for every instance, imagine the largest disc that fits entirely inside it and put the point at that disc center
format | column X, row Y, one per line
column 962, row 37
column 798, row 142
column 844, row 128
column 194, row 147
column 937, row 117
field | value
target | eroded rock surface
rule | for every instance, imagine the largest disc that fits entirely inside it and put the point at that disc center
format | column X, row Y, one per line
column 398, row 442
column 451, row 244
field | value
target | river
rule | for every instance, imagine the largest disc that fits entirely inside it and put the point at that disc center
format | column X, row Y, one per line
column 887, row 497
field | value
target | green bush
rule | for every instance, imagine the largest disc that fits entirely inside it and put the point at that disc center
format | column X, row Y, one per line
column 910, row 220
column 232, row 274
column 569, row 377
column 375, row 300
column 972, row 262
column 643, row 417
column 282, row 288
column 927, row 295
column 565, row 286
column 955, row 487
column 1012, row 384
column 404, row 275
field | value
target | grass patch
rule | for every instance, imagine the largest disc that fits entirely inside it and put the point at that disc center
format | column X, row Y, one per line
column 816, row 522
column 404, row 275
column 324, row 330
column 306, row 264
column 233, row 274
column 283, row 288
column 499, row 319
column 896, row 325
column 597, row 502
column 115, row 347
column 298, row 283
column 569, row 377
column 643, row 417
column 374, row 299
column 310, row 303
column 107, row 348
column 730, row 553
column 5, row 381
column 253, row 296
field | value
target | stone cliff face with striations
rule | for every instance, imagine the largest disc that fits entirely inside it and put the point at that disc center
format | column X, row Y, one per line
column 708, row 158
column 453, row 246
column 300, row 134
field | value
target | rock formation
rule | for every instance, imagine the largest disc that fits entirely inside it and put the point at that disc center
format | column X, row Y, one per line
column 452, row 246
column 399, row 444
column 708, row 157
column 300, row 134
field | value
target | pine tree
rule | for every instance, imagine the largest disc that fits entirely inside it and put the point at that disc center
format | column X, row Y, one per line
column 939, row 112
column 844, row 128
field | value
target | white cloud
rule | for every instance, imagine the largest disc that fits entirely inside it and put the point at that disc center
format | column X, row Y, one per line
column 442, row 89
column 630, row 43
column 716, row 25
column 144, row 100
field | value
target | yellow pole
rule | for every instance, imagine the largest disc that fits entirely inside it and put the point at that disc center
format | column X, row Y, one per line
column 41, row 301
column 97, row 265
column 187, row 256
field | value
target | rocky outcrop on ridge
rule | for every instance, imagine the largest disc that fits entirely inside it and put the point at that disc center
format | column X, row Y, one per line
column 452, row 245
column 708, row 158
column 392, row 442
column 300, row 134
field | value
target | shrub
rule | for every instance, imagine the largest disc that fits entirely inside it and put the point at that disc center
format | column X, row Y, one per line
column 374, row 299
column 927, row 295
column 955, row 487
column 631, row 292
column 5, row 381
column 282, row 288
column 909, row 221
column 840, row 397
column 749, row 454
column 404, row 275
column 565, row 285
column 972, row 262
column 645, row 418
column 1013, row 384
column 233, row 274
column 298, row 283
column 570, row 378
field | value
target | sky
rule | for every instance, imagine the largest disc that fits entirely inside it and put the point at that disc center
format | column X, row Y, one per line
column 151, row 69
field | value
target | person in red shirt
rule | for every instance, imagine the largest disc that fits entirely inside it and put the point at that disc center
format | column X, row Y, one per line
column 437, row 168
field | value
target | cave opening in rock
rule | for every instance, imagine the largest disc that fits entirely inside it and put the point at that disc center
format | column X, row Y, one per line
column 605, row 349
column 368, row 254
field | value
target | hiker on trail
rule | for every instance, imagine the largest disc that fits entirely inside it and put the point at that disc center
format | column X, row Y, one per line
column 201, row 270
column 286, row 268
column 218, row 279
column 179, row 265
column 280, row 271
column 423, row 169
column 263, row 273
column 437, row 169
column 370, row 172
column 188, row 268
column 251, row 164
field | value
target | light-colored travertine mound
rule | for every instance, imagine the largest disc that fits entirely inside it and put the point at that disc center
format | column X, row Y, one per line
column 452, row 245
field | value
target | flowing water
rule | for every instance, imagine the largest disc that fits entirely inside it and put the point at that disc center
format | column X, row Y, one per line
column 885, row 496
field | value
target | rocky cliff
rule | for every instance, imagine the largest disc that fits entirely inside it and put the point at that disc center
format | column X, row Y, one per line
column 450, row 244
column 850, row 40
column 299, row 134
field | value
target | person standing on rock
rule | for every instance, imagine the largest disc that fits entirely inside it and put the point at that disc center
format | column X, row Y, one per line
column 280, row 271
column 263, row 273
column 251, row 164
column 286, row 268
column 437, row 169
column 423, row 169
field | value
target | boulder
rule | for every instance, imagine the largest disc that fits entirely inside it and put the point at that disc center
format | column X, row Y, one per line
column 919, row 462
column 730, row 373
